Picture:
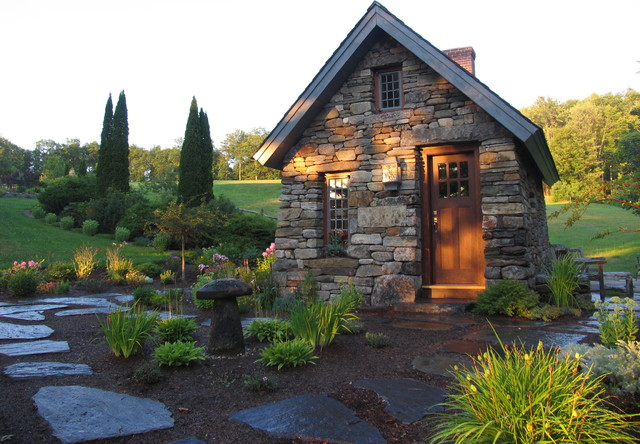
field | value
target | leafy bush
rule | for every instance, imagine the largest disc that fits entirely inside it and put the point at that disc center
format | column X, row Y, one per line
column 260, row 384
column 47, row 287
column 148, row 374
column 377, row 340
column 563, row 279
column 247, row 231
column 620, row 365
column 149, row 269
column 352, row 327
column 63, row 288
column 108, row 210
column 167, row 277
column 50, row 218
column 117, row 264
column 287, row 354
column 38, row 212
column 61, row 192
column 122, row 234
column 544, row 312
column 161, row 242
column 175, row 329
column 24, row 279
column 173, row 354
column 286, row 305
column 136, row 217
column 270, row 330
column 127, row 331
column 66, row 223
column 135, row 278
column 90, row 227
column 506, row 297
column 85, row 259
column 619, row 324
column 61, row 271
column 143, row 295
column 519, row 395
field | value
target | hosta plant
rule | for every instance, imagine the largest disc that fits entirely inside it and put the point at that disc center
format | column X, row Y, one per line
column 293, row 353
column 270, row 330
column 522, row 395
column 174, row 354
column 175, row 329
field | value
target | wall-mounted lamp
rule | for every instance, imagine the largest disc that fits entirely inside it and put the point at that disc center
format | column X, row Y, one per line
column 391, row 176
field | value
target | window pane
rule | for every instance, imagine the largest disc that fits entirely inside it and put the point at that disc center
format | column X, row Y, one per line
column 464, row 188
column 464, row 169
column 442, row 171
column 442, row 190
column 453, row 170
column 453, row 189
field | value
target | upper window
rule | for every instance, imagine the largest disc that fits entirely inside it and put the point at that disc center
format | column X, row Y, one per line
column 389, row 89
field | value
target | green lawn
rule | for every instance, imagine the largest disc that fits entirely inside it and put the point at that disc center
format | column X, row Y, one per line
column 254, row 195
column 620, row 249
column 23, row 238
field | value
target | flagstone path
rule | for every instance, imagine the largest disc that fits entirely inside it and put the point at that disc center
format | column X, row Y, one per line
column 77, row 413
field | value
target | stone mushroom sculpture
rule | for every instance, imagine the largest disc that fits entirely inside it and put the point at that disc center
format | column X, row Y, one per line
column 226, row 336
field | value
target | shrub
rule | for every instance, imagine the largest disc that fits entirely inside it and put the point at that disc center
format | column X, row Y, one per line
column 66, row 223
column 90, row 227
column 135, row 278
column 61, row 271
column 85, row 259
column 352, row 327
column 63, row 288
column 286, row 305
column 108, row 210
column 143, row 295
column 619, row 324
column 61, row 192
column 175, row 329
column 50, row 218
column 126, row 331
column 246, row 232
column 148, row 374
column 173, row 354
column 620, row 366
column 136, row 217
column 38, row 212
column 161, row 242
column 91, row 285
column 167, row 277
column 117, row 265
column 506, row 297
column 149, row 269
column 24, row 278
column 260, row 384
column 377, row 340
column 287, row 354
column 563, row 279
column 270, row 330
column 47, row 287
column 122, row 234
column 520, row 395
column 544, row 312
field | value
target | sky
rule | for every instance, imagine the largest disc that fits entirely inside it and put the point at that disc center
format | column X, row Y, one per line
column 247, row 61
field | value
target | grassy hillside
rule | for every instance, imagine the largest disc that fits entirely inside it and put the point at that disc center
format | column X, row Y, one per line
column 255, row 195
column 620, row 249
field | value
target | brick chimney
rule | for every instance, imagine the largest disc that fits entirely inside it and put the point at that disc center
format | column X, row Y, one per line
column 465, row 57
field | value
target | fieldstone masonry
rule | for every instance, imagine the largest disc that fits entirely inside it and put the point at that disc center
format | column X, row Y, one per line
column 384, row 256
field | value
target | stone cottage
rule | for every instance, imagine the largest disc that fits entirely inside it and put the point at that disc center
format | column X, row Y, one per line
column 406, row 174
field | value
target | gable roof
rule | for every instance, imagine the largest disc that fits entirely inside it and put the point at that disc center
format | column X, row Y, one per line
column 377, row 22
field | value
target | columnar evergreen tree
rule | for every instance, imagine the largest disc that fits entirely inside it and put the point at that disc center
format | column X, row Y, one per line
column 104, row 153
column 120, row 146
column 196, row 180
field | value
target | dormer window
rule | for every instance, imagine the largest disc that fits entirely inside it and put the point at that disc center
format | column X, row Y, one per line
column 389, row 89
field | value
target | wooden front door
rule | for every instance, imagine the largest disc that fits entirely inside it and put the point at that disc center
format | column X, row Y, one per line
column 454, row 254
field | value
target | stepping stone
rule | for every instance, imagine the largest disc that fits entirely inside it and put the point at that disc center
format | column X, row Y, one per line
column 576, row 328
column 93, row 301
column 77, row 413
column 124, row 298
column 407, row 399
column 528, row 337
column 26, row 316
column 90, row 310
column 441, row 364
column 16, row 331
column 13, row 309
column 310, row 417
column 34, row 348
column 42, row 369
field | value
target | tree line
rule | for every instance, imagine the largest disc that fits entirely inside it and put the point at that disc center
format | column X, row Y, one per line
column 595, row 143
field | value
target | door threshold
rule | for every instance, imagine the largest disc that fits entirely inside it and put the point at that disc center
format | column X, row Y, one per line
column 452, row 291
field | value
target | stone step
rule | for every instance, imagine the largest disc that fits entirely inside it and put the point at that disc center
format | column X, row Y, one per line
column 431, row 306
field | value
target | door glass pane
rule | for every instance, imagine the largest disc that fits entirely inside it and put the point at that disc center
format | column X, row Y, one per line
column 464, row 188
column 442, row 171
column 453, row 170
column 464, row 169
column 442, row 190
column 453, row 189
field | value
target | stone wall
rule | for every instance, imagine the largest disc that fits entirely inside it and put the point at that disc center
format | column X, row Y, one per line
column 384, row 254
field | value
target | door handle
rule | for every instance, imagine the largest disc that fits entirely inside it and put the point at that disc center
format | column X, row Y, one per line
column 435, row 220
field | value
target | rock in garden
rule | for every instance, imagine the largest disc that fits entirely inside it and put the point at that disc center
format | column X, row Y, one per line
column 16, row 331
column 34, row 348
column 42, row 369
column 77, row 413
